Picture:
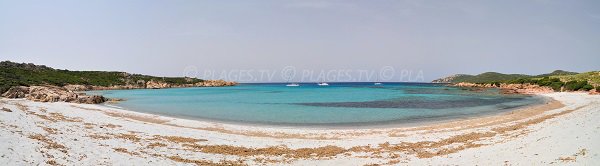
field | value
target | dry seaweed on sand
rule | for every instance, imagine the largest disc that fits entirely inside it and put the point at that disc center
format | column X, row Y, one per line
column 6, row 109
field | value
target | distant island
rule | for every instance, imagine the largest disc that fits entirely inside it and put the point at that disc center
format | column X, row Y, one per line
column 558, row 80
column 42, row 83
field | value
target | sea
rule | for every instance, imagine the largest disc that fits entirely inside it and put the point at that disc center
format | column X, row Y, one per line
column 350, row 104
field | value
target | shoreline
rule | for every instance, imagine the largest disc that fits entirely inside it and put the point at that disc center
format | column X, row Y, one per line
column 194, row 123
column 119, row 135
column 418, row 121
column 351, row 125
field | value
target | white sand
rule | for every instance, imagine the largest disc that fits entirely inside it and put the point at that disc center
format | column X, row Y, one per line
column 569, row 139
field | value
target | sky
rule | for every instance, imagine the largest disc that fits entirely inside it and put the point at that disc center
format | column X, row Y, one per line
column 429, row 39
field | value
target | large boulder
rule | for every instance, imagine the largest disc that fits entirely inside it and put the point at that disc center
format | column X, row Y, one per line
column 16, row 92
column 52, row 94
column 594, row 92
column 94, row 99
column 152, row 84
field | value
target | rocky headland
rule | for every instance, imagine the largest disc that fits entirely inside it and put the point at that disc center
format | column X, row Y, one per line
column 74, row 94
column 46, row 84
column 152, row 84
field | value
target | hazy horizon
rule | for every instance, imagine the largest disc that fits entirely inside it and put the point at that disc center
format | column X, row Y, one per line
column 433, row 38
column 306, row 81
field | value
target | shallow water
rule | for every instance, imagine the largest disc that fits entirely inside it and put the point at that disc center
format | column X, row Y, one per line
column 309, row 104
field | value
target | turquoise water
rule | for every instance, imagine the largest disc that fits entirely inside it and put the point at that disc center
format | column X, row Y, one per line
column 309, row 104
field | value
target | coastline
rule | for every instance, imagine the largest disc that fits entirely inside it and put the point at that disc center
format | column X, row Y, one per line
column 74, row 93
column 120, row 134
column 387, row 123
column 353, row 125
column 232, row 126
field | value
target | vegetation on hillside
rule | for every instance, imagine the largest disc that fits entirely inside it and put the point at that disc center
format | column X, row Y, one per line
column 15, row 74
column 487, row 77
column 500, row 77
column 557, row 73
column 557, row 80
column 592, row 77
column 554, row 83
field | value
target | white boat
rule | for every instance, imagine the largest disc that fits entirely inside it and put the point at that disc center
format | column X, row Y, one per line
column 323, row 84
column 377, row 83
column 293, row 84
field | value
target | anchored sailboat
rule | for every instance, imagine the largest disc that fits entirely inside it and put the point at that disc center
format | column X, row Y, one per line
column 322, row 83
column 291, row 84
column 377, row 83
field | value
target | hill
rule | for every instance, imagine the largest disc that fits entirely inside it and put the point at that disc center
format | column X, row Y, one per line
column 28, row 74
column 593, row 77
column 557, row 73
column 483, row 77
column 558, row 80
column 489, row 77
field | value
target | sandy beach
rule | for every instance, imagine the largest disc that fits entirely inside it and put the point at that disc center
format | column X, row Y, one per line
column 560, row 132
column 299, row 83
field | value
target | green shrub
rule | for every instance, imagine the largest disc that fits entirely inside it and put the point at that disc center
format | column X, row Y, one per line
column 587, row 87
column 572, row 86
column 495, row 83
column 556, row 86
column 598, row 88
column 522, row 81
column 575, row 85
column 554, row 83
column 547, row 81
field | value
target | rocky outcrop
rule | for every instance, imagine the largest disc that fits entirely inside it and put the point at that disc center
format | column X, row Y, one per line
column 473, row 85
column 214, row 83
column 52, row 94
column 93, row 99
column 510, row 88
column 16, row 92
column 152, row 84
column 70, row 93
column 525, row 88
